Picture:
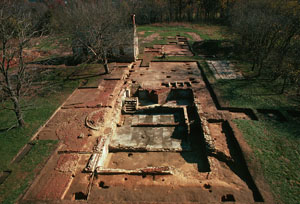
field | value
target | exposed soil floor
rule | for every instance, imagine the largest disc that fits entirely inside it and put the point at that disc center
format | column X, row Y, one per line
column 151, row 138
column 150, row 38
column 198, row 144
column 195, row 36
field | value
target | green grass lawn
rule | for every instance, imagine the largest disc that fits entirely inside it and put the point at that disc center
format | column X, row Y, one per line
column 277, row 147
column 254, row 93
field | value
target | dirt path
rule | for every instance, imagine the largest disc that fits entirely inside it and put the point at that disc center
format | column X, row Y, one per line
column 195, row 36
column 150, row 38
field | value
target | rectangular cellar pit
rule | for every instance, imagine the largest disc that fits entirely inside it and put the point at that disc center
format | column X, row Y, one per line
column 154, row 152
column 151, row 132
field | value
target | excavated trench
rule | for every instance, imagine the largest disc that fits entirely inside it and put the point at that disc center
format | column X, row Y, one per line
column 159, row 135
column 233, row 157
column 4, row 175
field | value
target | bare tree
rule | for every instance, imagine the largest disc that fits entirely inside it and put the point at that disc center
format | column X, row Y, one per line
column 269, row 35
column 16, row 30
column 97, row 27
column 259, row 27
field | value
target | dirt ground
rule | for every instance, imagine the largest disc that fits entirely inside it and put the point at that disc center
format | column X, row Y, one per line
column 150, row 38
column 200, row 175
column 195, row 36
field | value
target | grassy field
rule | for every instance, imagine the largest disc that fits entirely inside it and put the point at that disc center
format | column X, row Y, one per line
column 276, row 144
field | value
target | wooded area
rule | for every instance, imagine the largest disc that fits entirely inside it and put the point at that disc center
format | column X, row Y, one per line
column 268, row 37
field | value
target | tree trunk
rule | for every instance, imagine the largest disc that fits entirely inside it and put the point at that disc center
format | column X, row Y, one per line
column 106, row 66
column 18, row 112
column 197, row 14
column 180, row 10
column 170, row 11
column 260, row 66
column 253, row 65
column 255, row 62
column 283, row 85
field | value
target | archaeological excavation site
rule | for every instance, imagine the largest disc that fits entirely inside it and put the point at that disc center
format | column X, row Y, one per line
column 152, row 131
